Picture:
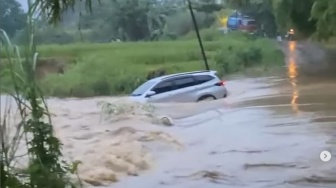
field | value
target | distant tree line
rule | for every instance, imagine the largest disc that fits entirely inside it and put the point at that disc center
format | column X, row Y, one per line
column 134, row 20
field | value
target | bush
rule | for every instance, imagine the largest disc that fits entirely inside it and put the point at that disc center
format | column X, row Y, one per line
column 206, row 35
column 118, row 68
column 233, row 59
column 236, row 55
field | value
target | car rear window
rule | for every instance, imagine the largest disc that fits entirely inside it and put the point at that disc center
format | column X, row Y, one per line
column 184, row 82
column 203, row 78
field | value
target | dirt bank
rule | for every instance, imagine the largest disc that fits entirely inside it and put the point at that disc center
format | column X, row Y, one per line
column 55, row 65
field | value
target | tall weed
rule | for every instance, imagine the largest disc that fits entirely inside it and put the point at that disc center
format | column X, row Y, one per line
column 45, row 166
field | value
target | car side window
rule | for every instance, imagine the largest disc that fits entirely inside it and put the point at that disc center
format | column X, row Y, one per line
column 203, row 78
column 163, row 87
column 184, row 82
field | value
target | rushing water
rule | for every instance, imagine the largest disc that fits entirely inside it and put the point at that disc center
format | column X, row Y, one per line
column 269, row 132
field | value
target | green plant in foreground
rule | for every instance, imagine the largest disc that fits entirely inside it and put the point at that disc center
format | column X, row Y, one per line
column 44, row 150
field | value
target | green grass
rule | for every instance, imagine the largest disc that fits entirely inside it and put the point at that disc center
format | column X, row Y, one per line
column 117, row 68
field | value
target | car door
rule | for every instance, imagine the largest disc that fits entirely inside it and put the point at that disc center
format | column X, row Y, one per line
column 162, row 92
column 185, row 89
column 205, row 85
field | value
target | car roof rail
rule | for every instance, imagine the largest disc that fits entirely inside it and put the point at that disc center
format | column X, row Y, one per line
column 187, row 73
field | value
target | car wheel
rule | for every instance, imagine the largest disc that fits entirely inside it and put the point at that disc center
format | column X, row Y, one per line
column 206, row 98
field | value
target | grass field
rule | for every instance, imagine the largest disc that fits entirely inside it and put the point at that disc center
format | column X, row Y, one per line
column 117, row 68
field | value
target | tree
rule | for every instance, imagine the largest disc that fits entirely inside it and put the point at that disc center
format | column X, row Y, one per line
column 129, row 19
column 285, row 13
column 323, row 11
column 261, row 10
column 12, row 17
column 295, row 13
column 207, row 6
column 307, row 16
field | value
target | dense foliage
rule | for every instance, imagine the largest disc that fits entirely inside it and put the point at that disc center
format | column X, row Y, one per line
column 12, row 17
column 309, row 17
column 32, row 128
column 134, row 20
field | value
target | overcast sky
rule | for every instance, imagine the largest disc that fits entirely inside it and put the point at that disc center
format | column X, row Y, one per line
column 24, row 4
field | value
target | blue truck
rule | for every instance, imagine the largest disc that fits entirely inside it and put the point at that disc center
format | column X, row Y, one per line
column 240, row 22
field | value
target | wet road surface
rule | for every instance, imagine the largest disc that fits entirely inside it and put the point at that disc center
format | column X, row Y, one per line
column 268, row 133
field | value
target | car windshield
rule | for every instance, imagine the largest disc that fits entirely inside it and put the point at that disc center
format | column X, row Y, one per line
column 143, row 88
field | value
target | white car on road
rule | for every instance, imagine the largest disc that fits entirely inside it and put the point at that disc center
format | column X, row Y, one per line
column 182, row 87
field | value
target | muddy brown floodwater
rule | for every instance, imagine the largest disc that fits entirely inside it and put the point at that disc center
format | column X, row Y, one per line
column 269, row 132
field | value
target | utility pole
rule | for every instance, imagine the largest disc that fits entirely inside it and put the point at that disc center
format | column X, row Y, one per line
column 198, row 36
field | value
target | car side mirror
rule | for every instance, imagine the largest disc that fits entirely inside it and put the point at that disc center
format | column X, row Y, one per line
column 150, row 93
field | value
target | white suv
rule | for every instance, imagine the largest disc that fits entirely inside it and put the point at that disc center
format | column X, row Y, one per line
column 182, row 87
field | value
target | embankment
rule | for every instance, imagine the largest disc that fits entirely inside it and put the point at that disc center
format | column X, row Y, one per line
column 117, row 68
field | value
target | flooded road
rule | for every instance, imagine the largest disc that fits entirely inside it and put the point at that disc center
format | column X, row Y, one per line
column 269, row 132
column 273, row 140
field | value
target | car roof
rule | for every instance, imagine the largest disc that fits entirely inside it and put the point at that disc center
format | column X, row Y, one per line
column 202, row 72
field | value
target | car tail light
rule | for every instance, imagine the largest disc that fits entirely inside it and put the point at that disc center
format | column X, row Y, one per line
column 221, row 83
